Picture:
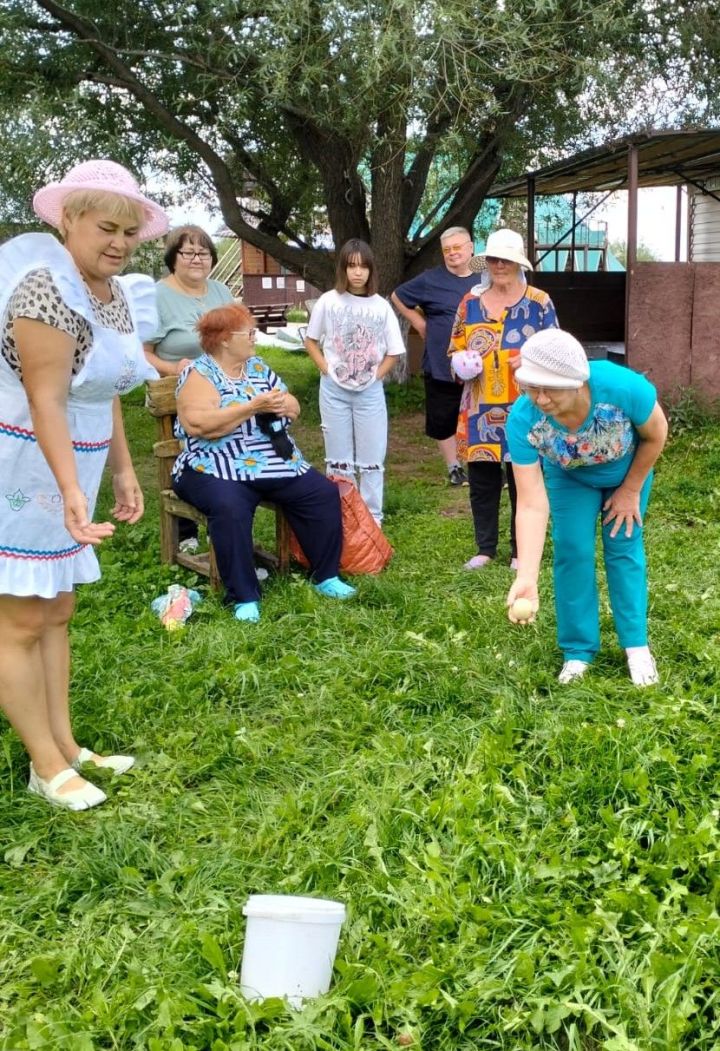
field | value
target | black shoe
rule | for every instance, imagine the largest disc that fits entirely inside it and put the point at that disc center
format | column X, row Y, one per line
column 456, row 476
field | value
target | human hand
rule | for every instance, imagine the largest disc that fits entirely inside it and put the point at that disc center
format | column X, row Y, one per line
column 180, row 365
column 129, row 503
column 270, row 401
column 77, row 522
column 290, row 408
column 623, row 506
column 420, row 326
column 525, row 588
column 515, row 360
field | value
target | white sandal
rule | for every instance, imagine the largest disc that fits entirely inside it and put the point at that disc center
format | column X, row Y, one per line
column 117, row 763
column 79, row 799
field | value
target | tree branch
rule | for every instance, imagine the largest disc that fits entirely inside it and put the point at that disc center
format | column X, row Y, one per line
column 123, row 77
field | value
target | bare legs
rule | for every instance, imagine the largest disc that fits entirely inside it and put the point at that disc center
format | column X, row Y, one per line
column 448, row 450
column 34, row 680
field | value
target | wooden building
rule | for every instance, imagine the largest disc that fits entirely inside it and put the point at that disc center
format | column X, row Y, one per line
column 265, row 286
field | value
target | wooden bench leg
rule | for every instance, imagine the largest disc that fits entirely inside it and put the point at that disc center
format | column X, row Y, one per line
column 169, row 537
column 215, row 582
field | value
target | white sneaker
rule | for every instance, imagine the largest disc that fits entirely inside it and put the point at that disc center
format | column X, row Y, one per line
column 642, row 668
column 572, row 670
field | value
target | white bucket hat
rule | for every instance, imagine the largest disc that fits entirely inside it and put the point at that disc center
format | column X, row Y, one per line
column 552, row 358
column 502, row 244
column 106, row 177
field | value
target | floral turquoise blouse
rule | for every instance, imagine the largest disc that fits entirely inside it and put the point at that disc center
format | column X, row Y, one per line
column 604, row 445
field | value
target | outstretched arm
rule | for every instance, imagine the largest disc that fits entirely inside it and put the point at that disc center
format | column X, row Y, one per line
column 129, row 503
column 531, row 521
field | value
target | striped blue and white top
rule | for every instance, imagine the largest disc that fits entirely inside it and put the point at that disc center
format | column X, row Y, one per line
column 245, row 454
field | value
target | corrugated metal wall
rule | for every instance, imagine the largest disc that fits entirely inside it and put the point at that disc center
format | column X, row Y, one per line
column 705, row 224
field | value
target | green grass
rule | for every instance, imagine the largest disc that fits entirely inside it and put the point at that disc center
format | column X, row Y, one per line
column 525, row 866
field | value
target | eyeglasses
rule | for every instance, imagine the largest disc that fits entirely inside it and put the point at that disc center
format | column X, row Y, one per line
column 496, row 259
column 249, row 332
column 190, row 255
column 447, row 249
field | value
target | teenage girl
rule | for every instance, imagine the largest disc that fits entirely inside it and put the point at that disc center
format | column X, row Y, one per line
column 353, row 337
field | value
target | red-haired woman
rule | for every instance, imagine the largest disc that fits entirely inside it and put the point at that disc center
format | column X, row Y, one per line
column 233, row 413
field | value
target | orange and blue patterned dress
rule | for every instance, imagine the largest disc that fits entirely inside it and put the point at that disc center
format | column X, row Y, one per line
column 487, row 399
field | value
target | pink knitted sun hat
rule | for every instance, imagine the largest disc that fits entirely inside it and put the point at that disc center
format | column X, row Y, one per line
column 106, row 177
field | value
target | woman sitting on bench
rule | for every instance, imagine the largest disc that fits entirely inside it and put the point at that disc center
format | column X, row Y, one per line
column 233, row 413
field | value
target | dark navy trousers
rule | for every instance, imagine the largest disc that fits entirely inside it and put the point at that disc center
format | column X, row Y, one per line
column 311, row 504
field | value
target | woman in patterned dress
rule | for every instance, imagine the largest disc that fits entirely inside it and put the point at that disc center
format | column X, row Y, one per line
column 492, row 322
column 70, row 343
column 583, row 440
column 233, row 411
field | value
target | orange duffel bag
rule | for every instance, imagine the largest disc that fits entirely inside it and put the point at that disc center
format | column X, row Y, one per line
column 365, row 548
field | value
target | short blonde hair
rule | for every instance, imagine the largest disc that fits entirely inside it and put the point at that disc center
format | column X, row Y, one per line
column 118, row 208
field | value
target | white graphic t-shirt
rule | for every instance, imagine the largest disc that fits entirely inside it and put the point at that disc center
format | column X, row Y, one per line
column 356, row 332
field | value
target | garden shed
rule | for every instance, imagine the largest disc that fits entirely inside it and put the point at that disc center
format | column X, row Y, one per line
column 660, row 318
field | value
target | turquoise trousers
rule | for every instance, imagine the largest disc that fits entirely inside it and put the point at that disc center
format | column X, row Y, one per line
column 576, row 506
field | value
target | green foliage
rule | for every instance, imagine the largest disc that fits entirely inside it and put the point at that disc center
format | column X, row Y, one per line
column 689, row 412
column 525, row 866
column 644, row 253
column 387, row 119
column 297, row 314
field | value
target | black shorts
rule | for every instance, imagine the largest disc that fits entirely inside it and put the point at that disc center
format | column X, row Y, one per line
column 442, row 405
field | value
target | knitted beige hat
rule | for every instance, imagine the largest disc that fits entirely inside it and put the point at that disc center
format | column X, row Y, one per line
column 552, row 358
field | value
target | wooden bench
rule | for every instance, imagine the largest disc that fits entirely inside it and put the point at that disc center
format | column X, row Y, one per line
column 160, row 403
column 271, row 314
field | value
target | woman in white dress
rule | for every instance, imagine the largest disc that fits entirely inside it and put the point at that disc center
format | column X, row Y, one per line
column 71, row 336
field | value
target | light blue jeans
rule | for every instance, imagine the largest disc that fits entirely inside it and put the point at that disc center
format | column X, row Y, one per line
column 354, row 426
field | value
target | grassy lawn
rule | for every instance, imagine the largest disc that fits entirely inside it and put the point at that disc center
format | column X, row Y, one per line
column 525, row 865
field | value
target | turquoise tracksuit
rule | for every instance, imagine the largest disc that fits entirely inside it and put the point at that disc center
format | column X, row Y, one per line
column 582, row 469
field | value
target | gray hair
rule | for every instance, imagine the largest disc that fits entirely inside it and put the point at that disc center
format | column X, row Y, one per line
column 454, row 230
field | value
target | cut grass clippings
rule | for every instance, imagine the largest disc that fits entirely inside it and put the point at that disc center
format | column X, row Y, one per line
column 524, row 865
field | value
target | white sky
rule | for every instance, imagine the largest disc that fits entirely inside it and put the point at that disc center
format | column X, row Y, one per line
column 656, row 219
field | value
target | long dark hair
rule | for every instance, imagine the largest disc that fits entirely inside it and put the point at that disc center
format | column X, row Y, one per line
column 352, row 248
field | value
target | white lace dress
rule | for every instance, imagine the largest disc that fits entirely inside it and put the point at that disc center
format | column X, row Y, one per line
column 37, row 554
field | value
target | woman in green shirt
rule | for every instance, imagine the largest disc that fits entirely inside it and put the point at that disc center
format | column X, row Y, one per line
column 182, row 297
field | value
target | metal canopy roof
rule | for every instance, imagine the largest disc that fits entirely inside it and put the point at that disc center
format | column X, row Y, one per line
column 665, row 158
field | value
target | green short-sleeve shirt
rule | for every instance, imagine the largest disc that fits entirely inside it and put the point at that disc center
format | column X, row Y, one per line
column 178, row 313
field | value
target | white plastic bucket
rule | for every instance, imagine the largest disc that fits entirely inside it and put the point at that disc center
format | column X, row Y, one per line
column 290, row 946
